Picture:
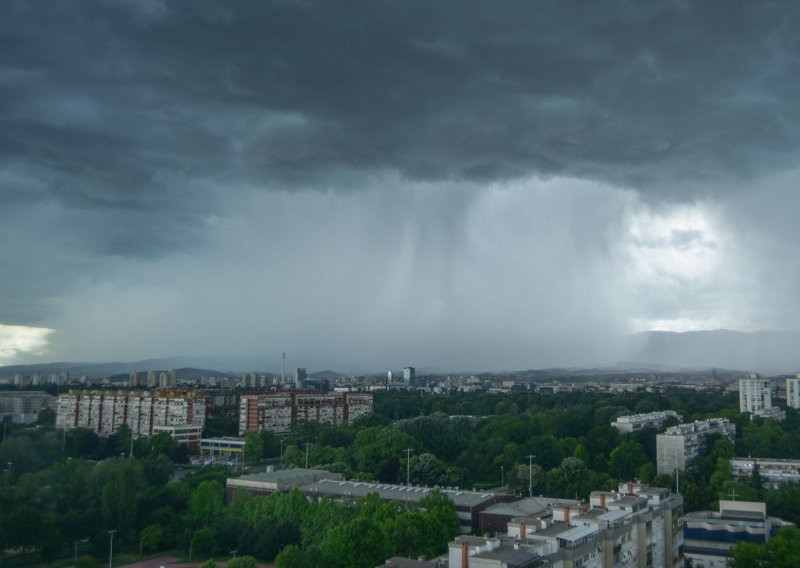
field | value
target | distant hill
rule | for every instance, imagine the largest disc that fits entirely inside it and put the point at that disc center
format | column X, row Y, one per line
column 768, row 352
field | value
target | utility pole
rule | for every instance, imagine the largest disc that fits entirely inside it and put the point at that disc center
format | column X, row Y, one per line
column 530, row 475
column 502, row 476
column 281, row 441
column 307, row 445
column 408, row 464
column 111, row 546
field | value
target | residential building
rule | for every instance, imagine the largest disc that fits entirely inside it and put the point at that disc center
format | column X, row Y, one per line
column 183, row 434
column 773, row 472
column 23, row 407
column 277, row 412
column 755, row 397
column 105, row 411
column 635, row 526
column 680, row 445
column 710, row 535
column 634, row 422
column 793, row 392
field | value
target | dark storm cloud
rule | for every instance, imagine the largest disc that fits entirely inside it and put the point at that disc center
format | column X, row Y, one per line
column 144, row 144
column 103, row 97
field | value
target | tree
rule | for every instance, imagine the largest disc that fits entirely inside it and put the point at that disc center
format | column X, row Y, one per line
column 206, row 503
column 242, row 562
column 152, row 536
column 290, row 557
column 626, row 459
column 253, row 447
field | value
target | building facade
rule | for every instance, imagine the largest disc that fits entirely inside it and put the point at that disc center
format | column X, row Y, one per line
column 793, row 392
column 105, row 412
column 773, row 472
column 634, row 422
column 677, row 448
column 710, row 535
column 638, row 526
column 755, row 397
column 23, row 407
column 277, row 412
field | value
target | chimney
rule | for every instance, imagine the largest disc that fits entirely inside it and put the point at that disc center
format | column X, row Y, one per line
column 630, row 489
column 464, row 555
column 566, row 514
column 602, row 500
column 522, row 529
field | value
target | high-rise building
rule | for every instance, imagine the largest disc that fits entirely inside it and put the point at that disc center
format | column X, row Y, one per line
column 133, row 379
column 105, row 411
column 299, row 376
column 793, row 392
column 755, row 395
column 409, row 376
column 277, row 412
column 680, row 445
column 152, row 379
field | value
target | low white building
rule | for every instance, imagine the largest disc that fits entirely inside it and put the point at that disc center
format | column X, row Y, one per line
column 634, row 422
column 773, row 472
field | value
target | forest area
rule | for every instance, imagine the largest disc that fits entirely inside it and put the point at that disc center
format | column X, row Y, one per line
column 62, row 492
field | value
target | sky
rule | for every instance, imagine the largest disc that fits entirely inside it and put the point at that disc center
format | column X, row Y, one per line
column 369, row 185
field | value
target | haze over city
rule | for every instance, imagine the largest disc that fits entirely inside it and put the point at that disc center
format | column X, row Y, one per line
column 461, row 185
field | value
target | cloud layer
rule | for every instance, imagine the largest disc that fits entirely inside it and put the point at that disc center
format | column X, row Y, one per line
column 372, row 184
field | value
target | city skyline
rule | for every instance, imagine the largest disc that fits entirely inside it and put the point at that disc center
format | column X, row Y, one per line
column 460, row 186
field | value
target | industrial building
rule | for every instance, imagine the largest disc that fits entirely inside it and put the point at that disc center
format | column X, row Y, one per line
column 677, row 448
column 634, row 422
column 277, row 412
column 105, row 411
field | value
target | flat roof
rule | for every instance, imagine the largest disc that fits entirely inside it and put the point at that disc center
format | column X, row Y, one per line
column 614, row 515
column 390, row 492
column 577, row 533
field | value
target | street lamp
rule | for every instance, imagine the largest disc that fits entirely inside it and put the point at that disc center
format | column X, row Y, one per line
column 530, row 475
column 75, row 559
column 281, row 441
column 502, row 477
column 408, row 463
column 233, row 552
column 111, row 546
column 307, row 445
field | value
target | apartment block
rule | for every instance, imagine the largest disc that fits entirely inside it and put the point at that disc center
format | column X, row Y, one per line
column 680, row 445
column 637, row 526
column 773, row 472
column 277, row 412
column 105, row 412
column 793, row 392
column 23, row 407
column 634, row 422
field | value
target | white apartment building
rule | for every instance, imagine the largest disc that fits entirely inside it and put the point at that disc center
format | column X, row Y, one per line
column 793, row 392
column 755, row 395
column 105, row 411
column 680, row 445
column 636, row 526
column 773, row 472
column 634, row 422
